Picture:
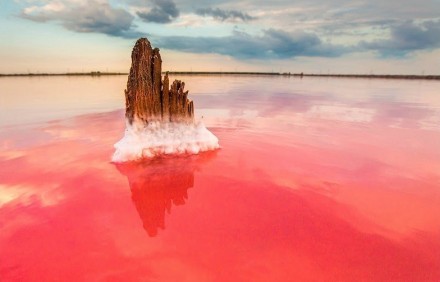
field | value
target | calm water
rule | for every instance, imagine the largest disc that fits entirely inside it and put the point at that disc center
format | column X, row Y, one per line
column 317, row 180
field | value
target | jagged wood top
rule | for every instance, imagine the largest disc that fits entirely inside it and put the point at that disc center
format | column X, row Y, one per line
column 148, row 97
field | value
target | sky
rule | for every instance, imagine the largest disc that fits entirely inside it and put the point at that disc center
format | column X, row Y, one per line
column 310, row 36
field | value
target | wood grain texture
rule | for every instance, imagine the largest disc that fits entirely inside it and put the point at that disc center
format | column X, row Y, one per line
column 149, row 98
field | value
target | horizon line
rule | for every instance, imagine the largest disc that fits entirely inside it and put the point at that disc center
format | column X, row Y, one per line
column 342, row 75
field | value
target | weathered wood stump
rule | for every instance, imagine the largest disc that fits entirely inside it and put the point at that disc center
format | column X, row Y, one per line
column 148, row 98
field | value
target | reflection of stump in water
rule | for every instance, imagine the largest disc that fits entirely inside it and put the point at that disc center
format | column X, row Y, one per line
column 157, row 185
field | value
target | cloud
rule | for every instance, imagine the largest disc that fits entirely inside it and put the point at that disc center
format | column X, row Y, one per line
column 272, row 44
column 350, row 25
column 407, row 37
column 224, row 15
column 83, row 16
column 164, row 11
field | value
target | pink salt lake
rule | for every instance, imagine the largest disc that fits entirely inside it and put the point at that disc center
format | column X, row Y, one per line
column 317, row 180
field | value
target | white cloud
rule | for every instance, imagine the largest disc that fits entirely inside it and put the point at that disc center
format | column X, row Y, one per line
column 82, row 16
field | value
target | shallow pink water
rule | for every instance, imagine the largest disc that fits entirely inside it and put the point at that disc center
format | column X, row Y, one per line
column 316, row 180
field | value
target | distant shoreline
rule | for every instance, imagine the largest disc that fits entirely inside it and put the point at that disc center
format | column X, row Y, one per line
column 97, row 73
column 93, row 73
column 382, row 76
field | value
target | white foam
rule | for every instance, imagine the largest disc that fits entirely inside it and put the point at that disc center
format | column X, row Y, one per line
column 157, row 138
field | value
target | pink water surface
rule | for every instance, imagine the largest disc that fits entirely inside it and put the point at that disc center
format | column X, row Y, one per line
column 316, row 180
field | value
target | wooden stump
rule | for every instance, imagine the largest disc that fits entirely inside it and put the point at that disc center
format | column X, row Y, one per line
column 147, row 97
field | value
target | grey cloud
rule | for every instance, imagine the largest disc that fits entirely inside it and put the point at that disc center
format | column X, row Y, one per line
column 96, row 16
column 407, row 37
column 272, row 44
column 164, row 11
column 224, row 15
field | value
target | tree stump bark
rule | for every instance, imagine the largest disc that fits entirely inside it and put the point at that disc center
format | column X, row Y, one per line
column 148, row 98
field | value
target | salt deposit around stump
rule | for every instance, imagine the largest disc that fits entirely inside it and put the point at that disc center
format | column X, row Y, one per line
column 158, row 138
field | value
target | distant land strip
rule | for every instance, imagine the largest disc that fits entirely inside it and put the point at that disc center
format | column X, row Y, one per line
column 222, row 73
column 382, row 76
column 93, row 73
column 388, row 76
column 98, row 73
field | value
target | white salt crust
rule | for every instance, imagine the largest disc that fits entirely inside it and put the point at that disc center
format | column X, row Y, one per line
column 158, row 138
